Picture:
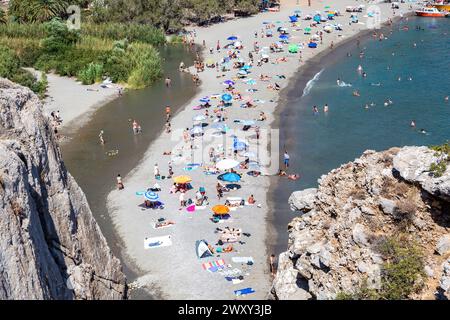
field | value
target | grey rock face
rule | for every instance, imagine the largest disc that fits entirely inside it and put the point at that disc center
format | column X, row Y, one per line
column 413, row 164
column 335, row 246
column 444, row 282
column 50, row 245
column 303, row 200
column 443, row 245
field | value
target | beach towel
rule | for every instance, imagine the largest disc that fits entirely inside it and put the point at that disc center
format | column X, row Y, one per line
column 214, row 266
column 242, row 259
column 161, row 227
column 157, row 242
column 243, row 292
column 140, row 193
column 230, row 273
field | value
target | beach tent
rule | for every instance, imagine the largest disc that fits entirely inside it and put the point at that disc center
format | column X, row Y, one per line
column 182, row 179
column 202, row 250
column 226, row 164
column 220, row 209
column 293, row 48
column 229, row 177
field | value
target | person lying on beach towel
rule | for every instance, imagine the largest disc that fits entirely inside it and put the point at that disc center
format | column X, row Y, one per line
column 163, row 224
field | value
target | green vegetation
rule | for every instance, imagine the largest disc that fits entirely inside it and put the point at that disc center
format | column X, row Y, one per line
column 401, row 272
column 10, row 67
column 442, row 152
column 89, row 55
column 2, row 16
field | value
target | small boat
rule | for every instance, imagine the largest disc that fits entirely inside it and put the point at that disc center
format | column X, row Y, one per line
column 430, row 12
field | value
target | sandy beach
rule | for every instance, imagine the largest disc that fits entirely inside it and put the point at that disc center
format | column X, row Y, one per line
column 175, row 272
column 76, row 102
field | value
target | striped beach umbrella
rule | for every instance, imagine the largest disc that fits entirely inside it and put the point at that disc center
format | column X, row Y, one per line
column 151, row 196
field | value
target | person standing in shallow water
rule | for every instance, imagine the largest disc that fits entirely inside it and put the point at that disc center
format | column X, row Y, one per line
column 120, row 185
column 286, row 159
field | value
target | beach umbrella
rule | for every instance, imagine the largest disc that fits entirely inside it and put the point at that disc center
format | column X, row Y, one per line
column 232, row 38
column 226, row 164
column 266, row 22
column 249, row 154
column 229, row 83
column 243, row 72
column 227, row 97
column 197, row 130
column 219, row 126
column 317, row 18
column 230, row 177
column 307, row 30
column 205, row 100
column 248, row 122
column 237, row 44
column 199, row 117
column 284, row 37
column 265, row 56
column 293, row 18
column 220, row 209
column 182, row 179
column 151, row 196
column 293, row 48
column 210, row 61
column 246, row 67
column 312, row 45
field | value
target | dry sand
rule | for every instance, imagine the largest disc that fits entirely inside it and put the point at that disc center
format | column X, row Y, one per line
column 175, row 272
column 75, row 102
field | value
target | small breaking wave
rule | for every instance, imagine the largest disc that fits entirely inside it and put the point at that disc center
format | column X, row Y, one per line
column 311, row 83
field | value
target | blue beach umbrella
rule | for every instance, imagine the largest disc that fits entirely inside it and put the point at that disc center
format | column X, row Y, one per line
column 227, row 97
column 230, row 177
column 284, row 37
column 312, row 45
column 229, row 83
column 151, row 196
column 232, row 38
column 317, row 18
column 205, row 100
column 246, row 67
column 293, row 18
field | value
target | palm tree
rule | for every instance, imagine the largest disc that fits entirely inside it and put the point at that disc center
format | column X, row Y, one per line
column 45, row 10
column 2, row 16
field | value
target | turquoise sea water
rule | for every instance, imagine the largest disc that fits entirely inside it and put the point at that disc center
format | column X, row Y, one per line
column 319, row 143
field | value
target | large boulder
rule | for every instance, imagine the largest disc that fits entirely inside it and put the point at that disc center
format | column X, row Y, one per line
column 303, row 200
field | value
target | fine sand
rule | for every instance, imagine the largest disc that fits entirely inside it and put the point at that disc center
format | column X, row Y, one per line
column 76, row 102
column 175, row 272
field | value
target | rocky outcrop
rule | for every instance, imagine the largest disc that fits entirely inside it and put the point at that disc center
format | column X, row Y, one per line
column 334, row 240
column 50, row 245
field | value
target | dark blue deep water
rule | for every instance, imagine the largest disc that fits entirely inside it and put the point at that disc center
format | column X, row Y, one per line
column 319, row 143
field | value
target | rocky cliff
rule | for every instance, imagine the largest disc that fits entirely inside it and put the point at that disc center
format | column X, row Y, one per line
column 375, row 227
column 50, row 245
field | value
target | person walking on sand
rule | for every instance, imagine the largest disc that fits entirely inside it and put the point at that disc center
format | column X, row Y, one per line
column 286, row 160
column 120, row 185
column 156, row 171
column 218, row 46
column 168, row 82
column 170, row 169
column 272, row 266
column 168, row 127
column 102, row 141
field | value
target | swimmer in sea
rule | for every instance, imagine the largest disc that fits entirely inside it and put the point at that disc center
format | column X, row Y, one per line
column 325, row 108
column 423, row 131
column 366, row 106
column 364, row 75
column 356, row 93
column 446, row 99
column 338, row 81
column 413, row 124
column 315, row 110
column 372, row 104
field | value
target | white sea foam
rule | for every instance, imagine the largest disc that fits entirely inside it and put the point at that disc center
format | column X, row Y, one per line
column 311, row 83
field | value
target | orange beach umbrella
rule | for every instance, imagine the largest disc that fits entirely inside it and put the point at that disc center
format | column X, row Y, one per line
column 182, row 179
column 220, row 209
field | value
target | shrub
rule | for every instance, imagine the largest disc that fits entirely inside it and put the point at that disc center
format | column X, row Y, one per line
column 58, row 37
column 438, row 168
column 9, row 63
column 402, row 268
column 91, row 73
column 147, row 65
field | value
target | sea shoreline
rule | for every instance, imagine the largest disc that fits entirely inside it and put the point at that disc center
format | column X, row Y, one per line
column 120, row 203
column 298, row 83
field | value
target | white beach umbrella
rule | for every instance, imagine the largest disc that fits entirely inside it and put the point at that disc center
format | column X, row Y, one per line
column 226, row 164
column 197, row 130
column 199, row 117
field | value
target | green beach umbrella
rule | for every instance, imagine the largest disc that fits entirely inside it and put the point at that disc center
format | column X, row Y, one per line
column 293, row 48
column 307, row 30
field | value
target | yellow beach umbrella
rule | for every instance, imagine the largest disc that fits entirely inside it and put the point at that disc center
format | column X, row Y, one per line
column 182, row 179
column 220, row 209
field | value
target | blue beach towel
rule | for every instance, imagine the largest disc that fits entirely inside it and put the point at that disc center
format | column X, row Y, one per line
column 244, row 292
